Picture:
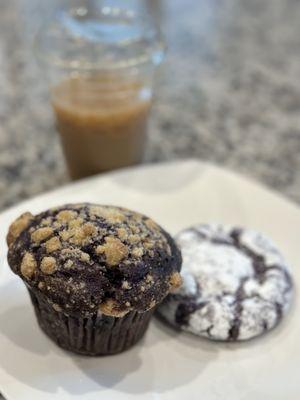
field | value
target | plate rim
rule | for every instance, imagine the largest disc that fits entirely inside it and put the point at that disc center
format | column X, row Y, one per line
column 204, row 164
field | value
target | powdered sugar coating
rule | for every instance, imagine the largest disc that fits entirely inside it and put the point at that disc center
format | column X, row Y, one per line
column 236, row 284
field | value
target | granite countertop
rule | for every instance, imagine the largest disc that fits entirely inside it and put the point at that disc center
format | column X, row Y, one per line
column 229, row 92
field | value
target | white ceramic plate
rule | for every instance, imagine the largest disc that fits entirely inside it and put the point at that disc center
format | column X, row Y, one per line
column 165, row 365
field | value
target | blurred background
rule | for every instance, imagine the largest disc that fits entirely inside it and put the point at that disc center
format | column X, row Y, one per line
column 227, row 92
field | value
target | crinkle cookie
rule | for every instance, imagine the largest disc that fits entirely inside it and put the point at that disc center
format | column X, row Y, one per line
column 236, row 284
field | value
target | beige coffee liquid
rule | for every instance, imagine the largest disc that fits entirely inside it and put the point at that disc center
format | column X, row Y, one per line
column 102, row 122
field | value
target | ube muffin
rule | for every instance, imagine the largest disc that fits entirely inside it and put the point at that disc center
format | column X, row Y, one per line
column 94, row 273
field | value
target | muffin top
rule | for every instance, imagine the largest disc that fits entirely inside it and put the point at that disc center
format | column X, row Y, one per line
column 87, row 259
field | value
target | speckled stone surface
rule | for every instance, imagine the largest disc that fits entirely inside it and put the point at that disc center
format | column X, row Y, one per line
column 229, row 92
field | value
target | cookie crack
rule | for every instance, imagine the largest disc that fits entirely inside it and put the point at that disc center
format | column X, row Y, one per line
column 234, row 330
column 184, row 311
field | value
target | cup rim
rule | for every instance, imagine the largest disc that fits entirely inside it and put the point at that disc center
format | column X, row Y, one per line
column 152, row 54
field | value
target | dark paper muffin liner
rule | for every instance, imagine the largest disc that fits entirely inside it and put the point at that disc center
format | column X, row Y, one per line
column 98, row 335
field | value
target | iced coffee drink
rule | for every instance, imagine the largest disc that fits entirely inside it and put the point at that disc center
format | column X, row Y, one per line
column 102, row 122
column 100, row 61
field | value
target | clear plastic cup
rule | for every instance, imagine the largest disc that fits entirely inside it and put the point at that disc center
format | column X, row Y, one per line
column 100, row 64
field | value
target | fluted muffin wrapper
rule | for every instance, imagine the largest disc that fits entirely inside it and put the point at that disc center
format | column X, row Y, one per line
column 98, row 335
